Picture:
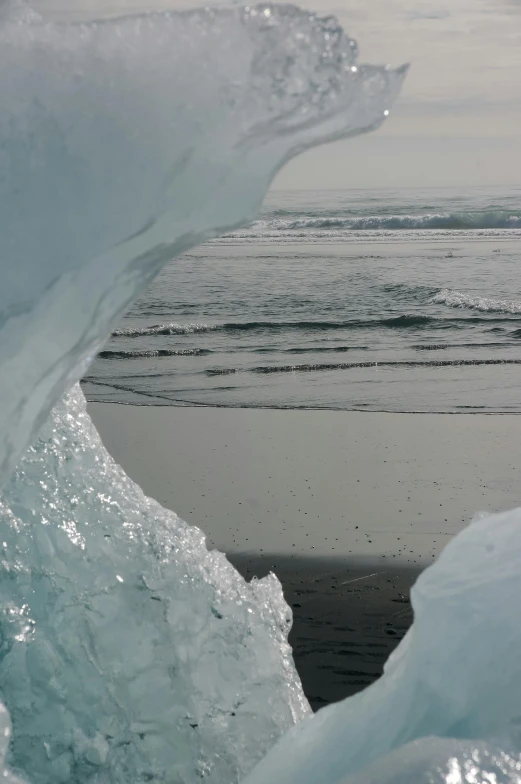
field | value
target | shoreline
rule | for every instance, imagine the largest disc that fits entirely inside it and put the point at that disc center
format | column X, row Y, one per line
column 172, row 403
column 219, row 406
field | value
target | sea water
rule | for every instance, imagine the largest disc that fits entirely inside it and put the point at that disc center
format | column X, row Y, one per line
column 401, row 300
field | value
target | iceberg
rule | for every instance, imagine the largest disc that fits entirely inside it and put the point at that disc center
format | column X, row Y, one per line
column 128, row 651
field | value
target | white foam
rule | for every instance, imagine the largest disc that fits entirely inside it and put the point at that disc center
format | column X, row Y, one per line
column 458, row 299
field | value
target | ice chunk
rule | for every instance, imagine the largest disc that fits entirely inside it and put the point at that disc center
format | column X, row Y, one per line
column 448, row 761
column 123, row 143
column 129, row 651
column 456, row 674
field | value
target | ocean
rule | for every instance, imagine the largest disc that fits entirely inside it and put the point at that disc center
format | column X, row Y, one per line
column 404, row 300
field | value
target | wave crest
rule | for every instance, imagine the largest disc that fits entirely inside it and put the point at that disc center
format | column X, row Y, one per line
column 458, row 299
column 405, row 321
column 164, row 329
column 493, row 219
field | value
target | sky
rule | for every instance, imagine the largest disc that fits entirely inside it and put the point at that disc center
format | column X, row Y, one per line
column 458, row 120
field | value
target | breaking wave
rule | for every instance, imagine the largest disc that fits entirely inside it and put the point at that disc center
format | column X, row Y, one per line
column 165, row 329
column 498, row 219
column 458, row 299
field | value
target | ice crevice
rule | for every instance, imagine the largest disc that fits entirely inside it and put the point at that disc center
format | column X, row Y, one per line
column 128, row 651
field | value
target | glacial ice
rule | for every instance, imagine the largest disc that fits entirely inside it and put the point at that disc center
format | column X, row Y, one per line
column 448, row 761
column 123, row 143
column 129, row 651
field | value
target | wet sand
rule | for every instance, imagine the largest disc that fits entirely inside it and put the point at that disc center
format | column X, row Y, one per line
column 347, row 620
column 389, row 487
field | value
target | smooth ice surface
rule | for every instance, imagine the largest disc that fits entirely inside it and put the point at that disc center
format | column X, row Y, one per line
column 129, row 651
column 448, row 761
column 124, row 142
column 456, row 674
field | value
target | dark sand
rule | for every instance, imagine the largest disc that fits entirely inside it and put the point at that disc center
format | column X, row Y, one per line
column 347, row 620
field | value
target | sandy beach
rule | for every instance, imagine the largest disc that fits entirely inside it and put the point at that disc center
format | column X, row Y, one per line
column 345, row 507
column 319, row 483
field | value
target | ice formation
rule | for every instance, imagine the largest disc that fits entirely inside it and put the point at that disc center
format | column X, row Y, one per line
column 128, row 652
column 448, row 761
column 124, row 142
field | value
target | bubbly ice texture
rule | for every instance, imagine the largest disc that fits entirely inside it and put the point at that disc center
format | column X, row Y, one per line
column 123, row 143
column 129, row 651
column 456, row 675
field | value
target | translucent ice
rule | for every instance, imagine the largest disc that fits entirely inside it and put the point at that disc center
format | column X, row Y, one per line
column 124, row 142
column 456, row 674
column 129, row 651
column 448, row 761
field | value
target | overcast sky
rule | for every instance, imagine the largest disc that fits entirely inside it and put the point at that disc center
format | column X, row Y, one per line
column 458, row 121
